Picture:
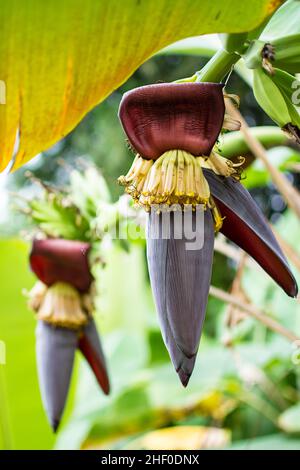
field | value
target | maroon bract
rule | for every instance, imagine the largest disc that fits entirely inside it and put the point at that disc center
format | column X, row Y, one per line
column 55, row 349
column 173, row 127
column 58, row 260
column 167, row 116
column 246, row 226
column 90, row 346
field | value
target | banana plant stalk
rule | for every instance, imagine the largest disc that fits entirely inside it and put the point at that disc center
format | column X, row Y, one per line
column 174, row 128
column 63, row 302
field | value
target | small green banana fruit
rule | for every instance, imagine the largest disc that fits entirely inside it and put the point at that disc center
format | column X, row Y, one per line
column 270, row 98
column 283, row 53
column 287, row 52
column 279, row 96
column 289, row 87
column 279, row 43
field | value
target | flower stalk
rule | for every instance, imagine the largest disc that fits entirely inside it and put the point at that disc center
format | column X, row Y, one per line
column 218, row 66
column 254, row 312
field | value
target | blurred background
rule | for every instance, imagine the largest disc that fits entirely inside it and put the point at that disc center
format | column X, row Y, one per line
column 245, row 390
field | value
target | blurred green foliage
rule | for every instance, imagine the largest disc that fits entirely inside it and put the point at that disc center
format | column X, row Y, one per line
column 23, row 423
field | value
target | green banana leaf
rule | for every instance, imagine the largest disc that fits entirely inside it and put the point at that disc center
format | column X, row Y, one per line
column 205, row 46
column 284, row 23
column 23, row 422
column 60, row 58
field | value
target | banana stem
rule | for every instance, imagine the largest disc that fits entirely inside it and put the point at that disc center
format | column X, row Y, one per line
column 217, row 67
column 254, row 312
column 234, row 143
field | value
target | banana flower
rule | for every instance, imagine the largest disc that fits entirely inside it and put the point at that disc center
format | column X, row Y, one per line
column 173, row 129
column 63, row 302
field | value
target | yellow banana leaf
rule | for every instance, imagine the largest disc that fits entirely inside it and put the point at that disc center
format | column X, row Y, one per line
column 183, row 438
column 59, row 58
column 171, row 438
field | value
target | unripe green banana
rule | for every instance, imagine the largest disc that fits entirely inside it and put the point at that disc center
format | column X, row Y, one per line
column 270, row 98
column 289, row 88
column 283, row 53
column 279, row 42
column 287, row 53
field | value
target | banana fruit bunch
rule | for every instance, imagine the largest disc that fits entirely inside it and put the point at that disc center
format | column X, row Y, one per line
column 275, row 59
column 279, row 96
column 279, row 43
